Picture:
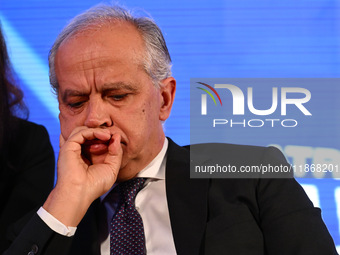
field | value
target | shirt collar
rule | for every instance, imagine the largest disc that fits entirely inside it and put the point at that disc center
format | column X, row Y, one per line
column 156, row 168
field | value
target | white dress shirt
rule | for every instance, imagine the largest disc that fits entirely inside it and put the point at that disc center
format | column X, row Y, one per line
column 150, row 202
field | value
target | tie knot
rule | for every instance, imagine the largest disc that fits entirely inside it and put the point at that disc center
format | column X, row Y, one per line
column 129, row 189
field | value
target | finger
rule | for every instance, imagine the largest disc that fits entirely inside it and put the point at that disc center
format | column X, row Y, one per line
column 89, row 134
column 77, row 130
column 62, row 139
column 115, row 153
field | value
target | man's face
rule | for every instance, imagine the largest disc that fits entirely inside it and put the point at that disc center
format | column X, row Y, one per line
column 102, row 84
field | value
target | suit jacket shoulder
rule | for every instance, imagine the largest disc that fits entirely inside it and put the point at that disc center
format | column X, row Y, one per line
column 241, row 216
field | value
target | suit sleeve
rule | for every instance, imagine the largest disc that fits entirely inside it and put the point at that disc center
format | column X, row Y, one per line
column 38, row 238
column 288, row 219
column 33, row 178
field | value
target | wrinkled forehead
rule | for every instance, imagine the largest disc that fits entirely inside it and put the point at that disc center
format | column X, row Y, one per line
column 106, row 42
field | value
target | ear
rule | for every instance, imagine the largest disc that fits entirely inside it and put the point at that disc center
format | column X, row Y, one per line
column 167, row 92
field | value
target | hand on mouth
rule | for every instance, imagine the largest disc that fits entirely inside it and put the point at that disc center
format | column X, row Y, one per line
column 95, row 147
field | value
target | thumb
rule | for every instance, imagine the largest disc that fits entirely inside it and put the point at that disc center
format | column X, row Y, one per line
column 115, row 154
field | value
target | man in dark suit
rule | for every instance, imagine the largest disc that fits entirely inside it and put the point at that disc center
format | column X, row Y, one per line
column 112, row 75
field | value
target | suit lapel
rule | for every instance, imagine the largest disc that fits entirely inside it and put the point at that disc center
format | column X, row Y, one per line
column 187, row 201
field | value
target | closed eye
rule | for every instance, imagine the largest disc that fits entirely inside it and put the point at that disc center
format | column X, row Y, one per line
column 76, row 105
column 118, row 97
column 74, row 99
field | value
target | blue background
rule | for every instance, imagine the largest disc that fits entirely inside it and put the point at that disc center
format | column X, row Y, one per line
column 230, row 38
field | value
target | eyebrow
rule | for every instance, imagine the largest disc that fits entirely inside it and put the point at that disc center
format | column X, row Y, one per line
column 118, row 86
column 72, row 93
column 105, row 88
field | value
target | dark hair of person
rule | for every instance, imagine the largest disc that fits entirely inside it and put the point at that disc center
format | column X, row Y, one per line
column 11, row 101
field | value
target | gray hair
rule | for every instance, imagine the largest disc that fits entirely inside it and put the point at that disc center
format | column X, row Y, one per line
column 157, row 60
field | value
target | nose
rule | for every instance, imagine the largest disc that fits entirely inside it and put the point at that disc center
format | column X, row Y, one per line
column 97, row 114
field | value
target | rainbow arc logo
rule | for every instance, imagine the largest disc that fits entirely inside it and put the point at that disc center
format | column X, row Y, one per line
column 204, row 97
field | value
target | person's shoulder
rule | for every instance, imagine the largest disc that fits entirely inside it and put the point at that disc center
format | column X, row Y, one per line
column 228, row 151
column 235, row 153
column 28, row 135
column 217, row 148
column 228, row 146
column 23, row 124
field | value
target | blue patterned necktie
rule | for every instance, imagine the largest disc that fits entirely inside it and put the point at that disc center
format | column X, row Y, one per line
column 126, row 231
